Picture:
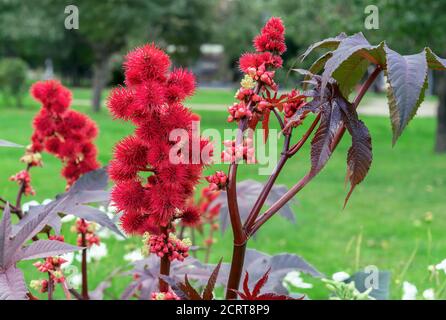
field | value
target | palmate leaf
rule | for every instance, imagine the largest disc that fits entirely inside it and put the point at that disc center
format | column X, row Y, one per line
column 255, row 294
column 185, row 291
column 350, row 61
column 359, row 157
column 12, row 250
column 257, row 263
column 406, row 75
column 323, row 138
column 12, row 285
column 329, row 43
column 147, row 272
column 407, row 78
column 45, row 248
column 90, row 188
column 209, row 289
column 315, row 68
column 335, row 111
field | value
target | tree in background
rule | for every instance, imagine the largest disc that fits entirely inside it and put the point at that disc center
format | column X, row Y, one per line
column 13, row 78
column 37, row 32
column 109, row 27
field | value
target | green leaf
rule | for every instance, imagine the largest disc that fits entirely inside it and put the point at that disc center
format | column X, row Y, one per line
column 316, row 67
column 330, row 43
column 350, row 60
column 434, row 61
column 351, row 71
column 407, row 78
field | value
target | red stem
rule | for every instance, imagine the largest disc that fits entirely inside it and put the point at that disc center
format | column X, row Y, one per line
column 294, row 149
column 235, row 274
column 268, row 186
column 84, row 268
column 164, row 265
column 50, row 287
column 239, row 234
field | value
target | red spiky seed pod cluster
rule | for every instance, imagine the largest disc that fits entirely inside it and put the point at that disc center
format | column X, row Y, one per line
column 63, row 132
column 151, row 99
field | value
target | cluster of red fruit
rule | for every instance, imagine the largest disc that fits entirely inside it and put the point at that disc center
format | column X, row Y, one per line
column 294, row 101
column 66, row 133
column 170, row 246
column 87, row 230
column 237, row 152
column 151, row 189
column 217, row 181
column 24, row 179
column 169, row 295
column 52, row 265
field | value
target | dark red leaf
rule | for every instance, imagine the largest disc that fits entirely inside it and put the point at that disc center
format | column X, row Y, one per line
column 273, row 296
column 191, row 292
column 245, row 284
column 259, row 285
column 207, row 293
column 359, row 158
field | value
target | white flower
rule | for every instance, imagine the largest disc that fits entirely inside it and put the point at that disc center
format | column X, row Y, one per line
column 69, row 257
column 105, row 233
column 429, row 294
column 409, row 291
column 441, row 266
column 133, row 256
column 75, row 280
column 46, row 201
column 27, row 205
column 68, row 218
column 94, row 253
column 340, row 276
column 293, row 278
column 97, row 252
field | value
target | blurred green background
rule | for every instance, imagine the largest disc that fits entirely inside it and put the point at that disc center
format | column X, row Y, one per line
column 394, row 220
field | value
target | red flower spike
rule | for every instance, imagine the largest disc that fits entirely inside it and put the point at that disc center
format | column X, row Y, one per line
column 180, row 85
column 271, row 37
column 65, row 133
column 191, row 216
column 145, row 63
column 152, row 101
column 120, row 103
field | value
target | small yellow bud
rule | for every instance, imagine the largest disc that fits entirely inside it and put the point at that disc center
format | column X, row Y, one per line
column 247, row 82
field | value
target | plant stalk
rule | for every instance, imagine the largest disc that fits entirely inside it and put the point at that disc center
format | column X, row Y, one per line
column 235, row 274
column 164, row 265
column 84, row 268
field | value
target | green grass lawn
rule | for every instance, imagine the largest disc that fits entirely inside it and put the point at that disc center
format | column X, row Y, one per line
column 383, row 224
